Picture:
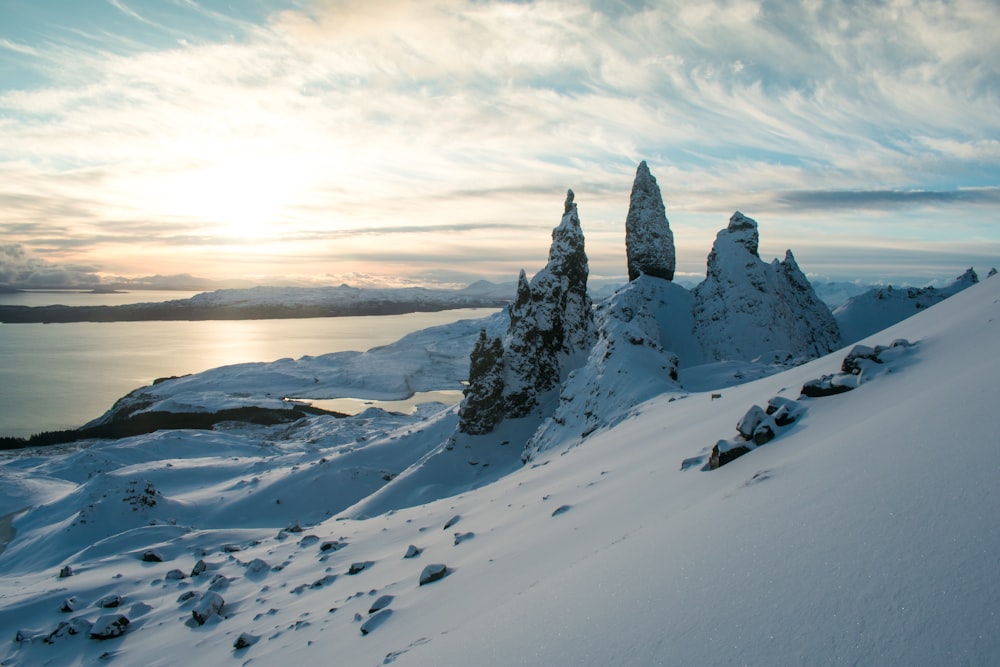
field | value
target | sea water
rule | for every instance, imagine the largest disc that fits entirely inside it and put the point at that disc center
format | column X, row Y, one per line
column 60, row 376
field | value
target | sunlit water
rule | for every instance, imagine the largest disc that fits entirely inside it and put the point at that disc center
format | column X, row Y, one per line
column 57, row 376
column 82, row 298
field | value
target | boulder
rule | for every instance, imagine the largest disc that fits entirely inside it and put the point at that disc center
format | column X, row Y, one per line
column 109, row 601
column 823, row 386
column 381, row 603
column 209, row 605
column 753, row 418
column 109, row 626
column 432, row 573
column 725, row 451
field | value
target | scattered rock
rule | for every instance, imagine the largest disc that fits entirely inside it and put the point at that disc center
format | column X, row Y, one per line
column 151, row 556
column 725, row 451
column 412, row 552
column 219, row 582
column 199, row 568
column 433, row 573
column 65, row 571
column 823, row 386
column 109, row 601
column 209, row 605
column 109, row 626
column 763, row 434
column 258, row 566
column 245, row 640
column 381, row 603
column 462, row 537
column 70, row 604
column 175, row 575
column 185, row 596
column 754, row 417
column 854, row 361
column 231, row 548
column 375, row 621
column 562, row 509
column 359, row 567
column 452, row 521
column 331, row 546
column 74, row 626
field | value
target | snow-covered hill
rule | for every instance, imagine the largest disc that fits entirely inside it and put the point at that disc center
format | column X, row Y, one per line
column 866, row 532
column 880, row 307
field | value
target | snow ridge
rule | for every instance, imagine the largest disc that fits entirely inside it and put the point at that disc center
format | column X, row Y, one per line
column 880, row 307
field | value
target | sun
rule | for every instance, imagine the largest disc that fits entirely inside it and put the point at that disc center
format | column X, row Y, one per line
column 236, row 198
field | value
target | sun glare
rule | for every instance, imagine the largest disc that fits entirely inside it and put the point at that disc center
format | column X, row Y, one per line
column 236, row 199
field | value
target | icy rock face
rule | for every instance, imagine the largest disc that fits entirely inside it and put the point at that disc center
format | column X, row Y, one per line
column 746, row 309
column 627, row 365
column 649, row 243
column 551, row 329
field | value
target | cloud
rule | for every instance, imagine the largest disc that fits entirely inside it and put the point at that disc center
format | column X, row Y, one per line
column 339, row 118
column 18, row 268
column 885, row 199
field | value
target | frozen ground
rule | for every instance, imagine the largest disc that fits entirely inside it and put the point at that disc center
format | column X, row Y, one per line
column 866, row 532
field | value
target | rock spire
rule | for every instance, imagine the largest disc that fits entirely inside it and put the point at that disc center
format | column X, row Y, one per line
column 649, row 243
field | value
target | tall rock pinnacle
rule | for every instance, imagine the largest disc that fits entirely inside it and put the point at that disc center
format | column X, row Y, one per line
column 649, row 243
column 551, row 331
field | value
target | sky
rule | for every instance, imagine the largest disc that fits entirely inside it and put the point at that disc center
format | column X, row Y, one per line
column 432, row 141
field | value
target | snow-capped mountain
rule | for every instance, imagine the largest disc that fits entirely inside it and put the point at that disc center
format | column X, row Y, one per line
column 880, row 307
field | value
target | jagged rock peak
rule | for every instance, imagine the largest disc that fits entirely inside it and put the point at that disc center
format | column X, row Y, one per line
column 744, row 231
column 649, row 243
column 746, row 309
column 569, row 205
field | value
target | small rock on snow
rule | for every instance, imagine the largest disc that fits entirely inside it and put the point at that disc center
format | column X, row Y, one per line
column 375, row 621
column 109, row 626
column 380, row 604
column 433, row 573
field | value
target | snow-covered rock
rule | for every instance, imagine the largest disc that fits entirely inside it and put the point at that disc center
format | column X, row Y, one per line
column 550, row 331
column 649, row 243
column 627, row 365
column 746, row 309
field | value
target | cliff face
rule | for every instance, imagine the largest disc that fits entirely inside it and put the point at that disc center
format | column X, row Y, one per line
column 747, row 309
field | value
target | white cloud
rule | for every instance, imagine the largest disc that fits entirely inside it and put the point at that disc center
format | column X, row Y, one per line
column 358, row 114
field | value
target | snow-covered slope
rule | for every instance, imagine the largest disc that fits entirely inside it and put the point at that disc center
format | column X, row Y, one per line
column 880, row 307
column 866, row 533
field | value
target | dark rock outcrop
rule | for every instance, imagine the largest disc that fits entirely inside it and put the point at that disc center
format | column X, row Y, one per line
column 649, row 243
column 551, row 329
